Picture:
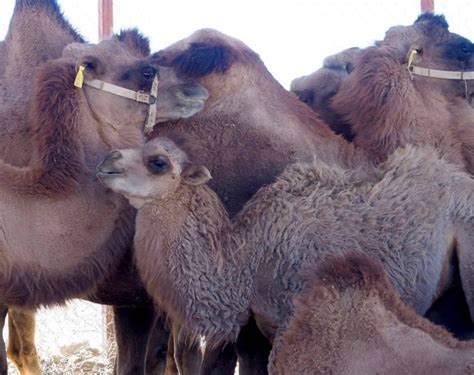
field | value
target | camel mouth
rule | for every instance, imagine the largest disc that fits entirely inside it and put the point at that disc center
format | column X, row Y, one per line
column 104, row 173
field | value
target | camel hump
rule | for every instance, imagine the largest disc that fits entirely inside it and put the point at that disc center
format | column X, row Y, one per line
column 38, row 3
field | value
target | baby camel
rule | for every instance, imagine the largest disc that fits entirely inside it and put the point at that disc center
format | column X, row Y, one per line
column 351, row 321
column 414, row 213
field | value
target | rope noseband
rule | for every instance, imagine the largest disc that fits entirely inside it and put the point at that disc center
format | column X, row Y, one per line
column 138, row 96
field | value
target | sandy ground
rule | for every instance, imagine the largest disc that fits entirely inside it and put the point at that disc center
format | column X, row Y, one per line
column 71, row 340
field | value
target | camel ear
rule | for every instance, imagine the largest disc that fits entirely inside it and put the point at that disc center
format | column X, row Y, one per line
column 195, row 175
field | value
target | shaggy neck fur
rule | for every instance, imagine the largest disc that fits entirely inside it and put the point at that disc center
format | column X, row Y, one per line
column 195, row 258
column 387, row 109
column 54, row 122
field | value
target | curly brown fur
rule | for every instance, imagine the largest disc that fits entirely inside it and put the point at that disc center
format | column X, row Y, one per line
column 350, row 314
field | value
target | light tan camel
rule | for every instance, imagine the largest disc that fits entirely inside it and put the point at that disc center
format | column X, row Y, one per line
column 414, row 213
column 318, row 88
column 351, row 321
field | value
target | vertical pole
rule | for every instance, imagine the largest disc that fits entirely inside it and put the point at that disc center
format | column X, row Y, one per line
column 427, row 6
column 106, row 18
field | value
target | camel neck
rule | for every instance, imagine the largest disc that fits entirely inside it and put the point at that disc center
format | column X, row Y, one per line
column 190, row 233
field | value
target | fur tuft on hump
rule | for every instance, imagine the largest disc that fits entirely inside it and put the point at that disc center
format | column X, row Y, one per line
column 201, row 59
column 136, row 42
column 209, row 51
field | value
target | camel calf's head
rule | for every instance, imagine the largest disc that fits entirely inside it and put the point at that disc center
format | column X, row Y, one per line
column 151, row 173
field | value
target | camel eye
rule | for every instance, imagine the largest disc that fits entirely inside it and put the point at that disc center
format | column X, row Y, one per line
column 149, row 73
column 157, row 165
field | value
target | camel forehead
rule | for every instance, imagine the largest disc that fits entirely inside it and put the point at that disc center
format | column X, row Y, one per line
column 109, row 50
column 165, row 146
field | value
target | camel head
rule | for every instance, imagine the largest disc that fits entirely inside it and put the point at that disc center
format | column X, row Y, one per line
column 112, row 62
column 428, row 43
column 153, row 172
column 211, row 58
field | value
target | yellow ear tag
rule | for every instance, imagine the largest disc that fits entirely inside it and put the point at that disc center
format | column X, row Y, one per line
column 411, row 57
column 79, row 81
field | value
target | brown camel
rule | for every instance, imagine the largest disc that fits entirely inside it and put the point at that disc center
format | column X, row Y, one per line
column 37, row 33
column 414, row 213
column 318, row 88
column 76, row 126
column 389, row 106
column 351, row 321
column 386, row 107
column 250, row 129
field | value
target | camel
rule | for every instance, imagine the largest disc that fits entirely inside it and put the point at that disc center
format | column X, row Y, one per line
column 380, row 126
column 210, row 273
column 388, row 104
column 98, row 120
column 351, row 321
column 318, row 88
column 249, row 119
column 37, row 33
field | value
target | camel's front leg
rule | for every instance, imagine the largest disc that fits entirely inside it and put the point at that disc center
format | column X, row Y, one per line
column 465, row 253
column 21, row 342
column 132, row 328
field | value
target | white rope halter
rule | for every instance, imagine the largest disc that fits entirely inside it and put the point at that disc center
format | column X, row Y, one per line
column 138, row 96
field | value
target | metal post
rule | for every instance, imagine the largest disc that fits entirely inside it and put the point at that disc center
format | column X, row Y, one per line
column 427, row 6
column 106, row 18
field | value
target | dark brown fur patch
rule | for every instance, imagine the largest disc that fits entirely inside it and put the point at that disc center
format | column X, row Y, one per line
column 201, row 59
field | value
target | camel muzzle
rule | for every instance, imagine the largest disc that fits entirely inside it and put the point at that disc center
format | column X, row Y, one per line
column 108, row 168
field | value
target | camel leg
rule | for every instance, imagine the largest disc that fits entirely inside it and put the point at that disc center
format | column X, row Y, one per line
column 21, row 343
column 3, row 352
column 219, row 361
column 253, row 350
column 170, row 368
column 187, row 355
column 157, row 348
column 464, row 250
column 132, row 328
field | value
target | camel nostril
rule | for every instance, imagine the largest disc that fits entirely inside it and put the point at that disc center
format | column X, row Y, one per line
column 114, row 155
